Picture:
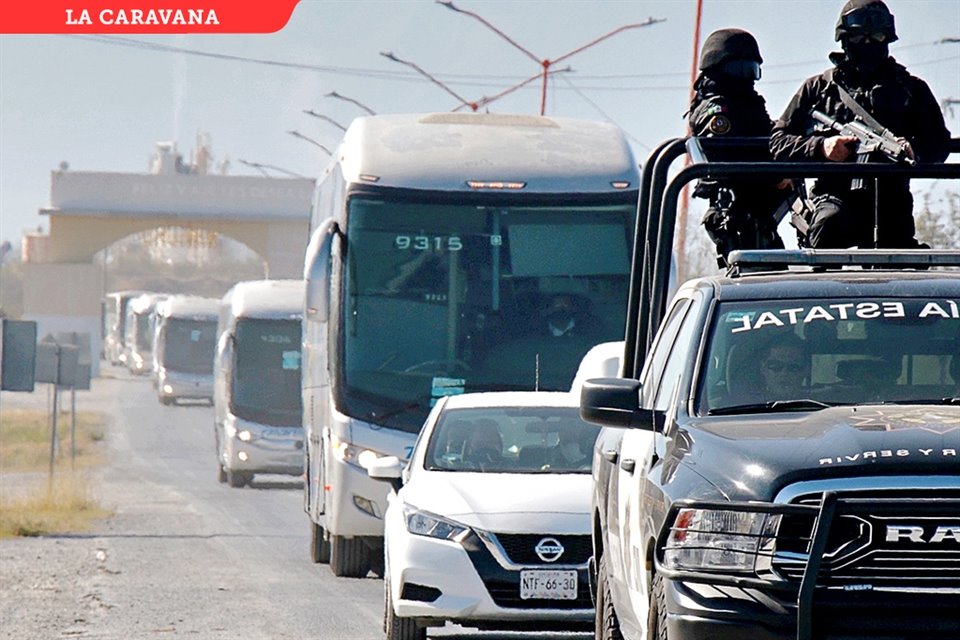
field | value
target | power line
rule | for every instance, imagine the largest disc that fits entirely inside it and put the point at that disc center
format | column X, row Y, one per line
column 465, row 80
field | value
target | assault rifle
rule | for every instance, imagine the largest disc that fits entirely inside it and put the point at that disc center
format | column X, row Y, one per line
column 870, row 139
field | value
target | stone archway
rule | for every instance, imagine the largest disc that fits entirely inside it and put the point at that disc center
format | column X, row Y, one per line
column 89, row 211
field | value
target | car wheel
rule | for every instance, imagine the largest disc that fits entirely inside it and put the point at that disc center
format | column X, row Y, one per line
column 398, row 628
column 607, row 625
column 236, row 479
column 349, row 557
column 166, row 401
column 221, row 474
column 319, row 547
column 657, row 623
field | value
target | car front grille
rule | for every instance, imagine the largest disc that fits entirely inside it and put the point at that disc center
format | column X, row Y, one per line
column 506, row 593
column 521, row 548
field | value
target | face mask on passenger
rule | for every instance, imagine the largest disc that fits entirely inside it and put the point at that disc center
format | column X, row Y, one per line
column 867, row 54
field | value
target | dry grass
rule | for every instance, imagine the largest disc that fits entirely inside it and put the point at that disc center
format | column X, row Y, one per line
column 28, row 505
column 66, row 507
column 25, row 440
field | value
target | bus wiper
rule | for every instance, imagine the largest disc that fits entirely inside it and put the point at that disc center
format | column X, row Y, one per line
column 772, row 406
column 403, row 408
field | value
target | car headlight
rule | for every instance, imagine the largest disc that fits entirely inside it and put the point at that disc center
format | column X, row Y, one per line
column 244, row 436
column 424, row 523
column 352, row 454
column 717, row 539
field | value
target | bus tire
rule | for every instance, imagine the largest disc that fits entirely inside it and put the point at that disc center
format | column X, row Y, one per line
column 319, row 547
column 236, row 479
column 349, row 557
column 221, row 474
column 607, row 625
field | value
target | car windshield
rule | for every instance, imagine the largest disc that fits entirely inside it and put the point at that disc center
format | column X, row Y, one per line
column 446, row 298
column 809, row 354
column 266, row 375
column 188, row 345
column 512, row 440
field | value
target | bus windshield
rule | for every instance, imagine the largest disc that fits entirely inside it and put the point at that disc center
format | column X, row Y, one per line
column 188, row 345
column 266, row 373
column 448, row 298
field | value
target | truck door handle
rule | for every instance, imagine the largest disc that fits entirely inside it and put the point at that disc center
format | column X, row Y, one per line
column 610, row 455
column 628, row 465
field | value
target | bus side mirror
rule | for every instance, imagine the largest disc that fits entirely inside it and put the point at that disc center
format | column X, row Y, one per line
column 316, row 271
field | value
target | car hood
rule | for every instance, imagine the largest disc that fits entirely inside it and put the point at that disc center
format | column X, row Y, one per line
column 751, row 457
column 505, row 502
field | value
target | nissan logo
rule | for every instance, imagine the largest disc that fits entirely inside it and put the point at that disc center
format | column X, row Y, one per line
column 549, row 549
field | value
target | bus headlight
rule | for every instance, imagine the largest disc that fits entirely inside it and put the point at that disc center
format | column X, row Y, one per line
column 244, row 436
column 717, row 540
column 352, row 454
column 424, row 523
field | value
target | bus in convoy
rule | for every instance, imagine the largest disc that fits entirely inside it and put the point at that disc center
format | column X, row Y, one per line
column 114, row 325
column 450, row 253
column 140, row 328
column 256, row 388
column 184, row 347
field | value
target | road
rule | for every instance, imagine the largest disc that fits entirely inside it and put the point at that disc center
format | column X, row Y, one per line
column 183, row 556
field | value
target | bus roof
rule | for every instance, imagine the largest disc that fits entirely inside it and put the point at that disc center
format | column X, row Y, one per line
column 183, row 306
column 443, row 151
column 266, row 299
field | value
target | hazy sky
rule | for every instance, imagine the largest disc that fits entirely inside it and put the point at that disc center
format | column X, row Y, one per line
column 102, row 104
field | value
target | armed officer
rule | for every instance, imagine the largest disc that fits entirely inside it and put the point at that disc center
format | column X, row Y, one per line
column 741, row 212
column 864, row 78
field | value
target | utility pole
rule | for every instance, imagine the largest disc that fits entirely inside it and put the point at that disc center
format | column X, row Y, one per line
column 463, row 101
column 546, row 63
column 297, row 134
column 685, row 195
column 473, row 104
column 334, row 94
column 311, row 112
column 259, row 166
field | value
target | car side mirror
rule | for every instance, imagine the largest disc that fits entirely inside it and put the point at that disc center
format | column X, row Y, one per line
column 389, row 469
column 614, row 402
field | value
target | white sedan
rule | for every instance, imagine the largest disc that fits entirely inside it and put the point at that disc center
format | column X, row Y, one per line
column 490, row 523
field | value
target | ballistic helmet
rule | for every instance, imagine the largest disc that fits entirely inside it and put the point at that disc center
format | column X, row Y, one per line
column 866, row 17
column 725, row 45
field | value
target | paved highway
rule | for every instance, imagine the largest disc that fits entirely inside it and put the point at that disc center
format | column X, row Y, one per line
column 184, row 555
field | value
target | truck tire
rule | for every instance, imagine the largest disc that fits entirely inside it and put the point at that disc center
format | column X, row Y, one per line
column 319, row 547
column 397, row 628
column 607, row 625
column 657, row 622
column 349, row 557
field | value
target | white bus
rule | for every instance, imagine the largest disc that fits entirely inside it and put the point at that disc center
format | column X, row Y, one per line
column 256, row 381
column 184, row 347
column 114, row 324
column 449, row 253
column 141, row 324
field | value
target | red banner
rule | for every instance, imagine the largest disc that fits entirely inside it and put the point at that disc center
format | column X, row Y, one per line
column 142, row 17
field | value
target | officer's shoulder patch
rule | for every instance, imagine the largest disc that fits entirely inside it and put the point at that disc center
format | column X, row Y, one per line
column 714, row 108
column 719, row 124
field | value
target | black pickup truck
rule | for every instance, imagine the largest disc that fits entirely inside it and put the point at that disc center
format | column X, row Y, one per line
column 794, row 470
column 780, row 454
